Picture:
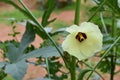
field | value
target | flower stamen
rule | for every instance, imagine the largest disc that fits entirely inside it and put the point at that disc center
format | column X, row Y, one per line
column 81, row 36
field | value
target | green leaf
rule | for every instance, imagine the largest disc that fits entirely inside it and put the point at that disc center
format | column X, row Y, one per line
column 38, row 31
column 107, row 40
column 95, row 8
column 2, row 64
column 106, row 64
column 28, row 37
column 113, row 5
column 82, row 73
column 2, row 74
column 44, row 52
column 13, row 53
column 7, row 1
column 2, row 45
column 118, row 61
column 17, row 70
column 8, row 77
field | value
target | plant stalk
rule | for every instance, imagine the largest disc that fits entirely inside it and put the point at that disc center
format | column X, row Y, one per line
column 77, row 12
column 73, row 68
column 48, row 69
column 112, row 68
column 103, row 23
column 73, row 60
column 113, row 60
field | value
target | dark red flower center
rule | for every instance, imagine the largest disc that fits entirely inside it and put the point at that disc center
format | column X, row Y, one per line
column 81, row 36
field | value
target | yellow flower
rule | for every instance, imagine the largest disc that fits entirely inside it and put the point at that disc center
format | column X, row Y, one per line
column 83, row 41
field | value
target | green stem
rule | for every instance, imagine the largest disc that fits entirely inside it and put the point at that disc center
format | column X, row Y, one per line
column 40, row 27
column 97, row 10
column 113, row 60
column 77, row 12
column 73, row 68
column 73, row 60
column 106, row 53
column 113, row 25
column 48, row 69
column 112, row 68
column 103, row 23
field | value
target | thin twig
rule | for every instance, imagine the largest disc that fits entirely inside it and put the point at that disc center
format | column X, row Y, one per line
column 103, row 23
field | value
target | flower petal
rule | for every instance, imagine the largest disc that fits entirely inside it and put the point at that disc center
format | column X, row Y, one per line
column 71, row 45
column 84, row 27
column 88, row 47
column 73, row 28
